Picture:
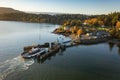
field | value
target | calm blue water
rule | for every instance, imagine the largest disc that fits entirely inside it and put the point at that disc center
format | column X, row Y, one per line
column 83, row 62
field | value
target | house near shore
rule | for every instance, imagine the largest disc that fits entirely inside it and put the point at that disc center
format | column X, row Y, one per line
column 66, row 28
column 95, row 34
column 85, row 23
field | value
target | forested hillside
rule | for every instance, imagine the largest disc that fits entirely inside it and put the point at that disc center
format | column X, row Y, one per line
column 93, row 20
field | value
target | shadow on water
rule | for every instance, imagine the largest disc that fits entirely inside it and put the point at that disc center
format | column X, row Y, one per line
column 59, row 52
column 112, row 45
column 118, row 49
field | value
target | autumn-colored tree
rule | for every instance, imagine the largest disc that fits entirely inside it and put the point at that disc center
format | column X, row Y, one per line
column 100, row 23
column 93, row 21
column 72, row 30
column 88, row 21
column 118, row 25
column 66, row 23
column 79, row 32
column 75, row 28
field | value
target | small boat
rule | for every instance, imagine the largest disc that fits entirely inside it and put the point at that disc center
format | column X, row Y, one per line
column 34, row 52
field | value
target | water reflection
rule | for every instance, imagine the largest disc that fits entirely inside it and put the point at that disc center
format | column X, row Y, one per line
column 59, row 52
column 112, row 45
column 119, row 50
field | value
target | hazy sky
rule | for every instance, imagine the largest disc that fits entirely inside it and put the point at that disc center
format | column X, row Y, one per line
column 64, row 6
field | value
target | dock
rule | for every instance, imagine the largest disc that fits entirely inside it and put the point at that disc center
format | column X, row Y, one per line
column 55, row 47
column 52, row 48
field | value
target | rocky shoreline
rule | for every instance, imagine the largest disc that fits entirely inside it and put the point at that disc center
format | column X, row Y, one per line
column 86, row 41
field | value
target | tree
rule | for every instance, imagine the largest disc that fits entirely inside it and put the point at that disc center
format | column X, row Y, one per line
column 93, row 21
column 118, row 25
column 100, row 23
column 72, row 30
column 79, row 32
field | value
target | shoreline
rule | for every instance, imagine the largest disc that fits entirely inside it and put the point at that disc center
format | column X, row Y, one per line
column 85, row 41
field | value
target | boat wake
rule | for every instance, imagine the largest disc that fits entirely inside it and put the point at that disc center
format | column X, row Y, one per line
column 14, row 65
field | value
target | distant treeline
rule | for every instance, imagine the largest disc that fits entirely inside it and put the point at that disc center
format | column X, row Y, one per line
column 43, row 18
column 108, row 20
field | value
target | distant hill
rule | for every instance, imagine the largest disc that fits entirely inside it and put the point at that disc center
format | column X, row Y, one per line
column 9, row 14
column 4, row 10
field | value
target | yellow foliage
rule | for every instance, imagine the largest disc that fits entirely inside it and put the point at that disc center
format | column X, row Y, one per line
column 72, row 30
column 100, row 22
column 91, row 21
column 118, row 25
column 79, row 32
column 94, row 20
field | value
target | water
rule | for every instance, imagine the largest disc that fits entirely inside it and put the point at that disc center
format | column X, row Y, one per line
column 83, row 62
